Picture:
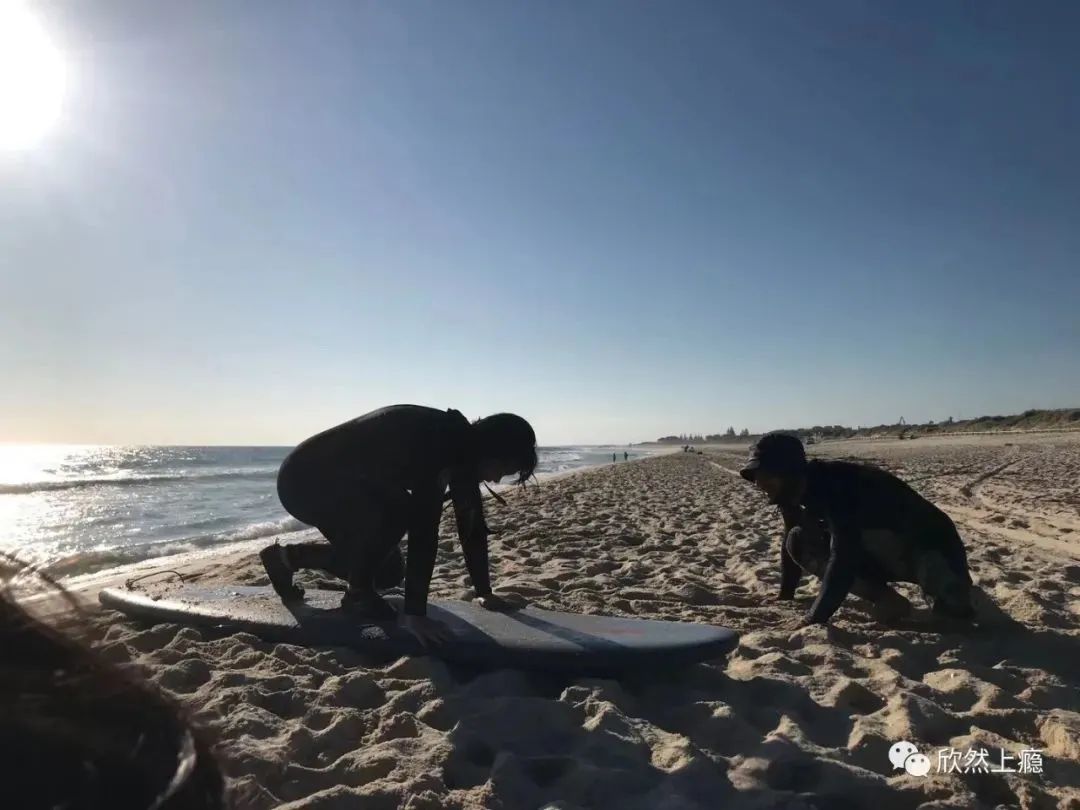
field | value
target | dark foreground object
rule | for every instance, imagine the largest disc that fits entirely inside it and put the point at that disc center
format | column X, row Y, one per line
column 524, row 639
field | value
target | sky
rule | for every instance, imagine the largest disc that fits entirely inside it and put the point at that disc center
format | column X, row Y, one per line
column 621, row 220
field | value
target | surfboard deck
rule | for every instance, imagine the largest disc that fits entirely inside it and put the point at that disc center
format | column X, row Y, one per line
column 530, row 638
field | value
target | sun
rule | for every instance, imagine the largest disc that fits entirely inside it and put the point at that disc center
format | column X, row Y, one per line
column 31, row 78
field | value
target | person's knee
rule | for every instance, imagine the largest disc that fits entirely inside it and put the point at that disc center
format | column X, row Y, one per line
column 949, row 590
column 934, row 573
column 955, row 601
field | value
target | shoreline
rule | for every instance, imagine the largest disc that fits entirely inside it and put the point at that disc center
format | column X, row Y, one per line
column 194, row 560
column 60, row 568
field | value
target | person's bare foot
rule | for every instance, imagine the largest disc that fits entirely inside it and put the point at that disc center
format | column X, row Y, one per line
column 501, row 604
column 280, row 573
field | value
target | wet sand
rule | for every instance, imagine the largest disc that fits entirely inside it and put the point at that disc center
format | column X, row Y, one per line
column 789, row 720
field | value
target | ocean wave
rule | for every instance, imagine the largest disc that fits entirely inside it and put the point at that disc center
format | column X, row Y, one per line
column 557, row 456
column 555, row 467
column 87, row 562
column 58, row 485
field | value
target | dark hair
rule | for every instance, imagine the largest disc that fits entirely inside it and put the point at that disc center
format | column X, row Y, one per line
column 507, row 437
column 80, row 732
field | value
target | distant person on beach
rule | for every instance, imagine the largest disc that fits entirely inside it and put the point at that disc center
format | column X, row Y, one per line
column 858, row 528
column 625, row 456
column 366, row 483
column 82, row 732
column 613, row 458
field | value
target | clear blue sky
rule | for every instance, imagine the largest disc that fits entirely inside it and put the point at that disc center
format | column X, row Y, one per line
column 619, row 219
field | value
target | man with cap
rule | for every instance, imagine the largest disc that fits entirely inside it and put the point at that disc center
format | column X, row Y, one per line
column 857, row 528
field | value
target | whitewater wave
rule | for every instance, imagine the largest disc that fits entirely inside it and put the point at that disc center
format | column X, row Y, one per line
column 58, row 485
column 549, row 469
column 551, row 460
column 559, row 456
column 97, row 559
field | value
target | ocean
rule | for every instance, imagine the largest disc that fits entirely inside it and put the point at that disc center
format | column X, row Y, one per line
column 77, row 509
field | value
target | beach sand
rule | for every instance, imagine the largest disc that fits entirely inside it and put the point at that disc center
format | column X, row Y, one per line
column 789, row 720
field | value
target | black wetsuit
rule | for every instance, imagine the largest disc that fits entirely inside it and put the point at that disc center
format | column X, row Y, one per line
column 858, row 527
column 366, row 483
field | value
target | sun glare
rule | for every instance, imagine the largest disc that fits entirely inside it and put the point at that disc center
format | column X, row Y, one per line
column 31, row 78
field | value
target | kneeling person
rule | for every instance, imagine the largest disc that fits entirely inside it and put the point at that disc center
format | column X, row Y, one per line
column 368, row 482
column 858, row 528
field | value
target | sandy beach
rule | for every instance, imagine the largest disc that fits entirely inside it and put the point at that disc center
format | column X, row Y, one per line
column 789, row 720
column 277, row 265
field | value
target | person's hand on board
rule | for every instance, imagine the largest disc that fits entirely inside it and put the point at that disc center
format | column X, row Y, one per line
column 500, row 604
column 429, row 632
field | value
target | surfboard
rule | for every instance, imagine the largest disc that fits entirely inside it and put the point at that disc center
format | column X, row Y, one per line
column 529, row 638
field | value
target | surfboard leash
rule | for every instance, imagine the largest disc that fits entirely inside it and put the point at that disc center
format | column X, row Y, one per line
column 128, row 583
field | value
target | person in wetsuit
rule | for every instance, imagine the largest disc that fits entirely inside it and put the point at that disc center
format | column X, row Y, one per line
column 857, row 528
column 368, row 482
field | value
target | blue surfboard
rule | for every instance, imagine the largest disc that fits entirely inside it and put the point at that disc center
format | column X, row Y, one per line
column 530, row 638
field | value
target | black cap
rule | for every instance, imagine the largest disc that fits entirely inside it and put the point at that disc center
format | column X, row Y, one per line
column 775, row 452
